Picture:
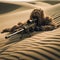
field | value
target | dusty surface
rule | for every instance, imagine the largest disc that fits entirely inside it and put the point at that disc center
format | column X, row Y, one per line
column 41, row 40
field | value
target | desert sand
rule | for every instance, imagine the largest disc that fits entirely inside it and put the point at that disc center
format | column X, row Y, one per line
column 47, row 40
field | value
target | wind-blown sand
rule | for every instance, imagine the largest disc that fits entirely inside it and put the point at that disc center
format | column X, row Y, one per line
column 14, row 44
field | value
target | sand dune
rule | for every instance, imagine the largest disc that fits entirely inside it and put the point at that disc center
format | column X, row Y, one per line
column 37, row 46
column 21, row 6
column 17, row 8
column 41, row 4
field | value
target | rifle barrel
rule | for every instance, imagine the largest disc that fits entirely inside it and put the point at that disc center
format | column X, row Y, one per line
column 14, row 33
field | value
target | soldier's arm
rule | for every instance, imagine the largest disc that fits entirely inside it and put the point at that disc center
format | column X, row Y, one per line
column 12, row 29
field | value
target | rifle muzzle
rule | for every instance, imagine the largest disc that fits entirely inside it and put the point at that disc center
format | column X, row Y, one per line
column 8, row 36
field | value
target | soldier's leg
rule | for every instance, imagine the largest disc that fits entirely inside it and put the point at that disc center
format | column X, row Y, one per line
column 47, row 28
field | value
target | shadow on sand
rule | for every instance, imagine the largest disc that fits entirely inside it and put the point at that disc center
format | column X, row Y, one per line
column 7, row 7
column 18, row 37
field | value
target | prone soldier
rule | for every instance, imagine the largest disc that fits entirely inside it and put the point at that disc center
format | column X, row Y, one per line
column 36, row 22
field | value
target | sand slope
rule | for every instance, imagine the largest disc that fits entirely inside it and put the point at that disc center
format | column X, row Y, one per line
column 42, row 45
